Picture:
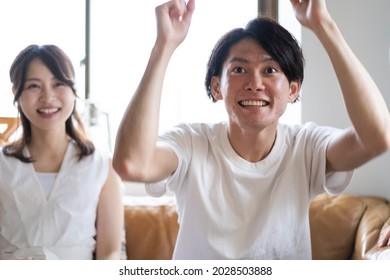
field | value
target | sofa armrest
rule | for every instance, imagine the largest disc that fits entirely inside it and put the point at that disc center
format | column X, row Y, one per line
column 375, row 217
column 378, row 253
column 348, row 227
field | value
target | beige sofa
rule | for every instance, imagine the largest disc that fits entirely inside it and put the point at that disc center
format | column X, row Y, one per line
column 342, row 227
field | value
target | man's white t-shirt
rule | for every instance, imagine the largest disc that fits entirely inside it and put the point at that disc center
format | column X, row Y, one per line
column 230, row 208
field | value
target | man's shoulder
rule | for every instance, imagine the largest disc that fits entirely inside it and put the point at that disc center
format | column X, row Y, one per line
column 309, row 131
column 300, row 129
column 198, row 128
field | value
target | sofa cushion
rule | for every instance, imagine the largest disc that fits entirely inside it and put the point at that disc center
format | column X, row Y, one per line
column 151, row 231
column 334, row 221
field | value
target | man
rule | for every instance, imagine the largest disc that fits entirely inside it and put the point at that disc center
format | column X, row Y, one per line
column 243, row 187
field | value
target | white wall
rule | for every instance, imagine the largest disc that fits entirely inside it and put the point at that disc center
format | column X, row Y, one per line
column 366, row 27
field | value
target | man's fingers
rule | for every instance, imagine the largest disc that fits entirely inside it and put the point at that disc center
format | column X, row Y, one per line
column 177, row 8
column 190, row 7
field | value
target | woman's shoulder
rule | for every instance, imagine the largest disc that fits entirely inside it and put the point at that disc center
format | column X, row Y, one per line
column 98, row 154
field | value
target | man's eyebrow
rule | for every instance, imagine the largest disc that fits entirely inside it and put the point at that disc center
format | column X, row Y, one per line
column 238, row 59
column 244, row 60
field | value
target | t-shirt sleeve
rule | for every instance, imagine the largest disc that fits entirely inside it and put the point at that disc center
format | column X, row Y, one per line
column 179, row 140
column 336, row 182
column 320, row 181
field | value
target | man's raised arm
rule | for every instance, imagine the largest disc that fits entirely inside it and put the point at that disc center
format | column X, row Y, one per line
column 137, row 157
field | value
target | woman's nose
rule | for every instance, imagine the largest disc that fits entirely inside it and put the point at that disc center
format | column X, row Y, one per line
column 47, row 95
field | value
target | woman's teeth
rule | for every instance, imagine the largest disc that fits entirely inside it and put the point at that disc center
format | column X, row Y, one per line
column 48, row 110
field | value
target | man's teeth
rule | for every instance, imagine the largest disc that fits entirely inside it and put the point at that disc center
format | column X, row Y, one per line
column 48, row 111
column 253, row 103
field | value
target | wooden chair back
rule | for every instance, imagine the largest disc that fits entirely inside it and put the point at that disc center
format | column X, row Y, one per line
column 12, row 125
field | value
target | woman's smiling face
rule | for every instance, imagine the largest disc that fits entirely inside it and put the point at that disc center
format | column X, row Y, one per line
column 253, row 87
column 46, row 102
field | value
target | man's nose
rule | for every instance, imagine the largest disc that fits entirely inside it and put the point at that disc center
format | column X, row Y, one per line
column 255, row 82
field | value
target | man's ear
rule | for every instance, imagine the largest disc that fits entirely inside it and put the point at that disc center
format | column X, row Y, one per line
column 216, row 88
column 295, row 87
column 14, row 91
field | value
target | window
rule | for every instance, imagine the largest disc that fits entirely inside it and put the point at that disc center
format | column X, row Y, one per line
column 26, row 22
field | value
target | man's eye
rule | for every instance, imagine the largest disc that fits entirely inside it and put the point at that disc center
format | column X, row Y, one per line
column 270, row 70
column 239, row 70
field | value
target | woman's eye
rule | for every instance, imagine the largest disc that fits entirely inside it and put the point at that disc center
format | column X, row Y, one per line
column 239, row 70
column 59, row 84
column 32, row 86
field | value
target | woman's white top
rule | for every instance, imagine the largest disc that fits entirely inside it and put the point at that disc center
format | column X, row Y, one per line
column 60, row 225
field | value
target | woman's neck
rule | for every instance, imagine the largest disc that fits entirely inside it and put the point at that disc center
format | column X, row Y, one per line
column 48, row 150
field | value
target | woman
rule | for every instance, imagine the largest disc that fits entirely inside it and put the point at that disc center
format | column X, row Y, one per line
column 55, row 186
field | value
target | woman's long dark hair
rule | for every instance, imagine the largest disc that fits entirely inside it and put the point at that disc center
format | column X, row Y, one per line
column 61, row 67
